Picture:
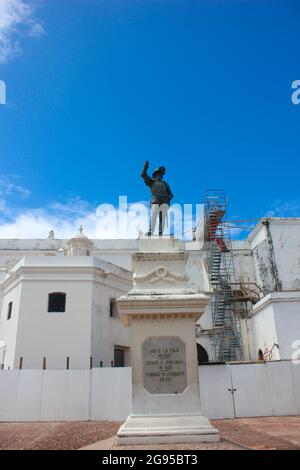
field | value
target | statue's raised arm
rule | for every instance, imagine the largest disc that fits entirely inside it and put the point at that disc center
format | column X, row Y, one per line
column 148, row 180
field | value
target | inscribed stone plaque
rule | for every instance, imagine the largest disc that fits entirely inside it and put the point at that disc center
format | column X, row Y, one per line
column 164, row 365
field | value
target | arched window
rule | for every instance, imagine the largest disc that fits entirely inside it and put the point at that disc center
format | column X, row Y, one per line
column 57, row 302
column 260, row 355
column 201, row 354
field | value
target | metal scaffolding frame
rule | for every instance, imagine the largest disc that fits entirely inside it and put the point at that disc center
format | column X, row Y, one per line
column 225, row 334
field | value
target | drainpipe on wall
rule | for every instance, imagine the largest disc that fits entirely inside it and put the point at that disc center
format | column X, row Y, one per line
column 273, row 265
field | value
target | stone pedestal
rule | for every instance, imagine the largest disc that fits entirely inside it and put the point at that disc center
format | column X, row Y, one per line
column 161, row 311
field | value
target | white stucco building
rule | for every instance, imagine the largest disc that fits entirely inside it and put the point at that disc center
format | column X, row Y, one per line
column 57, row 297
column 59, row 311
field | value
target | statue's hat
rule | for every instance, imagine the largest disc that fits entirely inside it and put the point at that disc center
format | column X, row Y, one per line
column 160, row 169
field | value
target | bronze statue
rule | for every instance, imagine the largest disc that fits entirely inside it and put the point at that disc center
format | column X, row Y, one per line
column 161, row 196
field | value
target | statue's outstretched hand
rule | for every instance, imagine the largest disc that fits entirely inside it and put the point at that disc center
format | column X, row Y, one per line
column 144, row 173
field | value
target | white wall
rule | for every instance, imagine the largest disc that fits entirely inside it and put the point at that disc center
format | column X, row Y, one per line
column 196, row 272
column 65, row 395
column 287, row 318
column 243, row 263
column 285, row 239
column 115, row 251
column 107, row 332
column 55, row 336
column 9, row 382
column 252, row 396
column 276, row 319
column 264, row 329
column 84, row 330
column 120, row 259
column 216, row 401
column 283, row 378
column 286, row 242
column 264, row 389
column 111, row 393
column 9, row 328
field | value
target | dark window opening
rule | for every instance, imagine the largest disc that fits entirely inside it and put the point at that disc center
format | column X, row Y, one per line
column 260, row 355
column 119, row 357
column 201, row 354
column 57, row 302
column 113, row 310
column 9, row 310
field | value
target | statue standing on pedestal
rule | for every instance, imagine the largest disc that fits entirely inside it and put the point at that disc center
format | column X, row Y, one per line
column 161, row 196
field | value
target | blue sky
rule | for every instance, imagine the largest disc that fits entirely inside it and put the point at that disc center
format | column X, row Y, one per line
column 95, row 87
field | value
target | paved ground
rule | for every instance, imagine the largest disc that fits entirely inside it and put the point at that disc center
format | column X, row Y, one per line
column 262, row 433
column 251, row 433
column 54, row 435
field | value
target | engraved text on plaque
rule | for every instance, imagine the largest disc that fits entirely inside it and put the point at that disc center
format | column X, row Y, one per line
column 164, row 365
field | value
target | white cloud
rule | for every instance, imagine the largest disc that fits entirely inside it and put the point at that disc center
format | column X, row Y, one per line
column 9, row 186
column 17, row 19
column 74, row 206
column 36, row 31
column 282, row 208
column 3, row 207
column 126, row 220
column 36, row 223
column 104, row 221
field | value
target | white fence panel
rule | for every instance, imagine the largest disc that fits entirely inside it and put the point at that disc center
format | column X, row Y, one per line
column 295, row 368
column 282, row 388
column 54, row 395
column 8, row 394
column 252, row 396
column 78, row 395
column 105, row 393
column 29, row 396
column 216, row 401
column 111, row 393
